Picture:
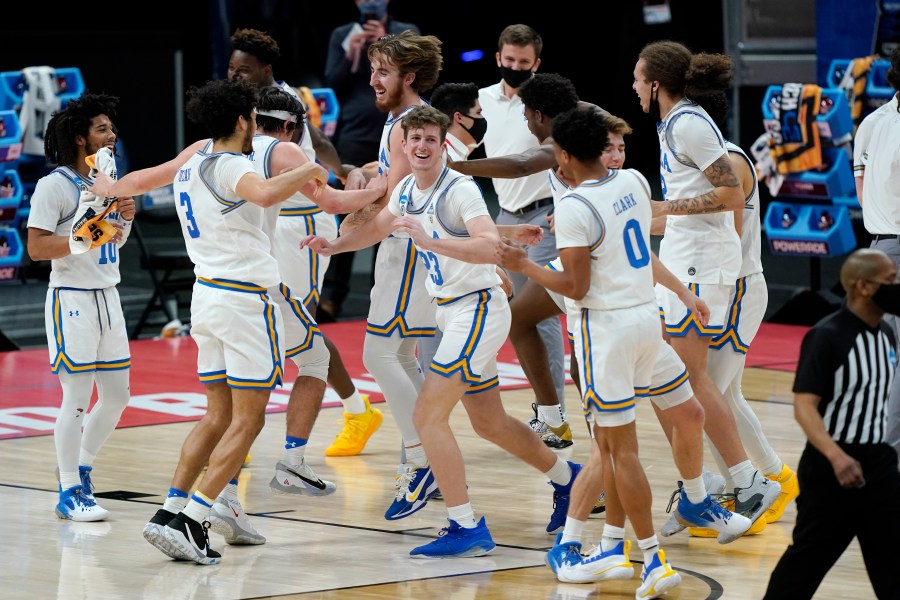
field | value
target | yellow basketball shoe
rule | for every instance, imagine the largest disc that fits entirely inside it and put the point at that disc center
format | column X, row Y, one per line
column 790, row 489
column 356, row 432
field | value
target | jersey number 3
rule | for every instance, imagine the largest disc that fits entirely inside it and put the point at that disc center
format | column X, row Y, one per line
column 192, row 228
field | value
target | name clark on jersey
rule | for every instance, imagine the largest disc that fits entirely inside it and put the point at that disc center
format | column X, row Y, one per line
column 623, row 204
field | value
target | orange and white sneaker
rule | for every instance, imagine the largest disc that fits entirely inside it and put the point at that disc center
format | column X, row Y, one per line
column 356, row 432
column 790, row 489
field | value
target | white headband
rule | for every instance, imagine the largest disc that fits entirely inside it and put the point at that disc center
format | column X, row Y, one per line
column 278, row 114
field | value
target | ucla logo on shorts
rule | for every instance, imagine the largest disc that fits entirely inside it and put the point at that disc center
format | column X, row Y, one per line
column 892, row 357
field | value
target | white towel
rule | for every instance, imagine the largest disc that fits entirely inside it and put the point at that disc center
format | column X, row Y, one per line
column 39, row 101
column 90, row 227
column 765, row 164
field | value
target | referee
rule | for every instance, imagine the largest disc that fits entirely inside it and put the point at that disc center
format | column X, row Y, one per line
column 849, row 482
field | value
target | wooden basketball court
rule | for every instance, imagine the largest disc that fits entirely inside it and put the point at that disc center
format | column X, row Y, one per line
column 340, row 546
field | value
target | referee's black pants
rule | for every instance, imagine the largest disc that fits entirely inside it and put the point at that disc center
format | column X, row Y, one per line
column 830, row 516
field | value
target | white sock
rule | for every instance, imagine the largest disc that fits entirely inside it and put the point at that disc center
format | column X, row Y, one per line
column 649, row 546
column 230, row 491
column 354, row 404
column 294, row 450
column 742, row 474
column 572, row 531
column 175, row 503
column 415, row 455
column 551, row 415
column 612, row 535
column 695, row 490
column 86, row 459
column 198, row 507
column 463, row 515
column 69, row 479
column 560, row 473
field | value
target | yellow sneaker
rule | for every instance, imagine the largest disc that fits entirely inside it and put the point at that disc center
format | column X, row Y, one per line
column 705, row 532
column 790, row 489
column 561, row 436
column 356, row 432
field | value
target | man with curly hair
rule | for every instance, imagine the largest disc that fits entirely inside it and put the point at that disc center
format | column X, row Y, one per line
column 252, row 60
column 85, row 326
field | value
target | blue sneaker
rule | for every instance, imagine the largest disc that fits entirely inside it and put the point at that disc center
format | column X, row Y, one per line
column 415, row 487
column 87, row 486
column 657, row 578
column 711, row 515
column 599, row 565
column 457, row 542
column 563, row 554
column 561, row 501
column 75, row 506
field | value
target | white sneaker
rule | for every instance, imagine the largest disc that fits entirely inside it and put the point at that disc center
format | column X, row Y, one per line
column 714, row 484
column 657, row 578
column 75, row 506
column 754, row 500
column 599, row 566
column 228, row 519
column 299, row 480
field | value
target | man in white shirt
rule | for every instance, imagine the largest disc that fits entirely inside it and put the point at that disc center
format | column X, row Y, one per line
column 523, row 199
column 877, row 171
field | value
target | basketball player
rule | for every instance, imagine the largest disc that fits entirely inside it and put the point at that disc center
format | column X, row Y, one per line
column 400, row 312
column 253, row 54
column 701, row 246
column 602, row 231
column 303, row 339
column 86, row 333
column 445, row 214
column 236, row 325
column 747, row 306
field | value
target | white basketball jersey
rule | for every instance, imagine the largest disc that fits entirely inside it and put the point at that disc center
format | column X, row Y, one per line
column 558, row 187
column 53, row 206
column 696, row 248
column 751, row 244
column 612, row 217
column 261, row 157
column 443, row 210
column 223, row 234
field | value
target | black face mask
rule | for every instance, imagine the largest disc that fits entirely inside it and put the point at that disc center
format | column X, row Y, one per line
column 654, row 105
column 515, row 78
column 478, row 128
column 887, row 298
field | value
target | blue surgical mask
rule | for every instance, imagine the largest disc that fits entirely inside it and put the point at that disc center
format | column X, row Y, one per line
column 372, row 10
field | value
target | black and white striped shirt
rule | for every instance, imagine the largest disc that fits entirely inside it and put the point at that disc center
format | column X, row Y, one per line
column 850, row 366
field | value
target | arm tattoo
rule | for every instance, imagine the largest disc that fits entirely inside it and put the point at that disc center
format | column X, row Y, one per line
column 363, row 215
column 719, row 174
